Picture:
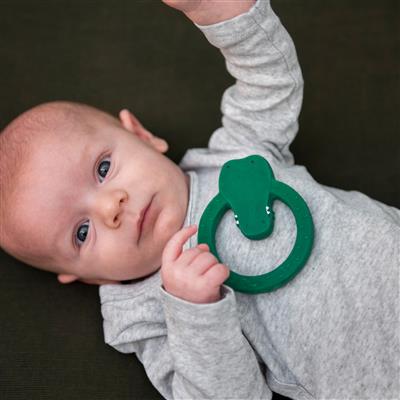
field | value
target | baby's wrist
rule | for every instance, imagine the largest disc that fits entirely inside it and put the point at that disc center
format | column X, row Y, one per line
column 191, row 297
column 222, row 11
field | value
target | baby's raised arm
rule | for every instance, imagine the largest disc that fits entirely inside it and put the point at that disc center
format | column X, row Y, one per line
column 260, row 111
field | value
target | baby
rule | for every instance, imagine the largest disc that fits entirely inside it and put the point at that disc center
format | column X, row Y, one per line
column 79, row 197
column 96, row 200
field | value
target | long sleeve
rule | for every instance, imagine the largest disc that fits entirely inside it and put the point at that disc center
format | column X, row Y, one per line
column 261, row 109
column 211, row 357
column 189, row 351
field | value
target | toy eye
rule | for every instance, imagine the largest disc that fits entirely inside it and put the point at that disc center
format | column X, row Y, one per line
column 103, row 168
column 82, row 232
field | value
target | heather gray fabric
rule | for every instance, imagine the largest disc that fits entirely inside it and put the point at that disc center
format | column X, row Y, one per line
column 332, row 332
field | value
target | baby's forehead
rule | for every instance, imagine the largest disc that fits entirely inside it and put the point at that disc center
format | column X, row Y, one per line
column 64, row 122
column 71, row 135
column 48, row 152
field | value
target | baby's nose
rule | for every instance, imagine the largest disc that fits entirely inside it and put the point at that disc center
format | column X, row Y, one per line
column 109, row 206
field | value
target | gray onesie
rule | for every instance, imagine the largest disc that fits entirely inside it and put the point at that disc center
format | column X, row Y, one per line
column 333, row 331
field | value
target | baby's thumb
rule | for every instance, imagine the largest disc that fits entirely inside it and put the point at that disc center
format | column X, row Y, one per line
column 173, row 248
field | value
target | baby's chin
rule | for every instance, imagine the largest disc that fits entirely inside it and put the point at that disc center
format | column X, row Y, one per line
column 169, row 222
column 141, row 278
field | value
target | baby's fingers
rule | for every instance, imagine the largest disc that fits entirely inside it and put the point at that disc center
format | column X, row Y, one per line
column 216, row 275
column 173, row 248
column 188, row 256
column 203, row 262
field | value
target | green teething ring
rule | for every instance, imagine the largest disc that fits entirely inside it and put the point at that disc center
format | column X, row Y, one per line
column 248, row 187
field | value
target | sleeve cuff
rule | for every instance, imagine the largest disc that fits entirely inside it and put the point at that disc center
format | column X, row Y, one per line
column 228, row 32
column 181, row 311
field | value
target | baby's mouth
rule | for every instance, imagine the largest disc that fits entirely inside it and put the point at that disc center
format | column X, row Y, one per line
column 142, row 219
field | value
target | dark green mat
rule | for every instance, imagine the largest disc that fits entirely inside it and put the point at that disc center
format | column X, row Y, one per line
column 147, row 57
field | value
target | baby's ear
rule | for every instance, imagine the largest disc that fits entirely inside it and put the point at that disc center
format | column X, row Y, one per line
column 132, row 124
column 65, row 278
column 129, row 121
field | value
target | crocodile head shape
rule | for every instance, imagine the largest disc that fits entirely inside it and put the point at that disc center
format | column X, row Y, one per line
column 246, row 185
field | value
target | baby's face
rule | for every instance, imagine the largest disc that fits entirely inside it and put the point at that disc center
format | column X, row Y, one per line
column 84, row 196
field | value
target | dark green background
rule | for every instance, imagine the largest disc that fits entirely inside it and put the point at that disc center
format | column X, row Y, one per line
column 149, row 58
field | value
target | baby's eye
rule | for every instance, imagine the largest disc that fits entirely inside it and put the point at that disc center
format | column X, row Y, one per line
column 82, row 232
column 103, row 168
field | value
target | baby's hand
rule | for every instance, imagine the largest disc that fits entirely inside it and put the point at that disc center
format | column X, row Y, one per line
column 207, row 12
column 194, row 275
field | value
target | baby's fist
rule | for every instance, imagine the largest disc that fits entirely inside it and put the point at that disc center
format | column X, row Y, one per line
column 207, row 12
column 194, row 275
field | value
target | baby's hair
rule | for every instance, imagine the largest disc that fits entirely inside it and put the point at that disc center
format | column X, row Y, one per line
column 17, row 143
